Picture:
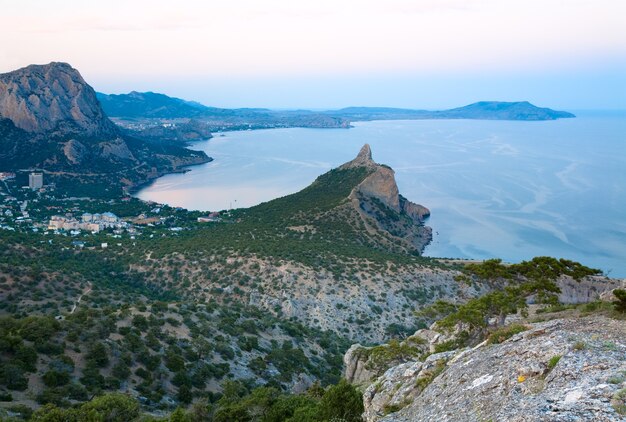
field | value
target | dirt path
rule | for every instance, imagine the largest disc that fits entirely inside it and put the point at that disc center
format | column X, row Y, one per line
column 86, row 291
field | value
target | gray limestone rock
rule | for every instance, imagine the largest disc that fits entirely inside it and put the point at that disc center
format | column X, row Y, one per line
column 561, row 370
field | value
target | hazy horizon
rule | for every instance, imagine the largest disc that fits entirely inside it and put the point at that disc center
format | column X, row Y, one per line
column 278, row 54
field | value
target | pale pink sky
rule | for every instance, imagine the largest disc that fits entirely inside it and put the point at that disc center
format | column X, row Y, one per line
column 219, row 52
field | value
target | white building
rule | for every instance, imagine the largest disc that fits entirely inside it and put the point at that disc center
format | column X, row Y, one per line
column 35, row 180
column 109, row 217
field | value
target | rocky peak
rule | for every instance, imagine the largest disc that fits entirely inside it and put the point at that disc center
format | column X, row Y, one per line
column 53, row 99
column 363, row 159
column 379, row 191
column 381, row 184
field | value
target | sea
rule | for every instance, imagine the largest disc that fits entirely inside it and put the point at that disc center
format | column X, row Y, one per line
column 496, row 189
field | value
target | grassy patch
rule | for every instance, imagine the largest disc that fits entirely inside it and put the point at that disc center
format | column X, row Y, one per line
column 501, row 334
column 553, row 362
column 619, row 401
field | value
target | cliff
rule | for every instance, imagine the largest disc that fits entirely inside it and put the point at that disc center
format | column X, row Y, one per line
column 378, row 194
column 53, row 98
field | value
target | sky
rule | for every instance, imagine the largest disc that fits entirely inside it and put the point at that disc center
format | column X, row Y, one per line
column 568, row 54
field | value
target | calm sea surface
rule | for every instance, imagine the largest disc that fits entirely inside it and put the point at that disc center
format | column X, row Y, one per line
column 504, row 189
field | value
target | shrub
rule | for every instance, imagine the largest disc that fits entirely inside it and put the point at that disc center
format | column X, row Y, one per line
column 429, row 376
column 27, row 357
column 54, row 378
column 619, row 402
column 384, row 356
column 504, row 333
column 13, row 378
column 98, row 355
column 620, row 304
column 39, row 328
column 121, row 370
column 184, row 394
column 342, row 401
column 392, row 408
column 114, row 407
column 174, row 362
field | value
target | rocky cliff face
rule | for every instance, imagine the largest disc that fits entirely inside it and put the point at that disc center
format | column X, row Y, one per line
column 588, row 289
column 561, row 370
column 53, row 98
column 378, row 193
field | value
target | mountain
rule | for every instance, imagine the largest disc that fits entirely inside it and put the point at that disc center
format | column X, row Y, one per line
column 250, row 310
column 320, row 256
column 144, row 115
column 148, row 104
column 484, row 110
column 270, row 295
column 150, row 115
column 53, row 99
column 51, row 120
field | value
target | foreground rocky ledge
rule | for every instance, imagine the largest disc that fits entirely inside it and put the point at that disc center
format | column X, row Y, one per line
column 561, row 370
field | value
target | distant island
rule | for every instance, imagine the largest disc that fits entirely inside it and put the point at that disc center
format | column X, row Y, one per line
column 483, row 110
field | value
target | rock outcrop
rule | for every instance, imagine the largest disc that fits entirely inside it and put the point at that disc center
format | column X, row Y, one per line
column 588, row 289
column 378, row 193
column 53, row 98
column 561, row 370
column 355, row 364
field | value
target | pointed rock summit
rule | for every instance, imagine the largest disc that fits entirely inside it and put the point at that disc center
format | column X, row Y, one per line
column 381, row 184
column 378, row 189
column 364, row 159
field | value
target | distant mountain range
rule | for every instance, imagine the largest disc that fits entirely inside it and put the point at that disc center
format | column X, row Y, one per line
column 140, row 112
column 149, row 115
column 51, row 120
column 149, row 105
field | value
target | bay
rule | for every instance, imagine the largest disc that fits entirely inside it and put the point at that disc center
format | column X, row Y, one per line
column 507, row 189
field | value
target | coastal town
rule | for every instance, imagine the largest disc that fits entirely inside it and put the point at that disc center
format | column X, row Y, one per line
column 36, row 207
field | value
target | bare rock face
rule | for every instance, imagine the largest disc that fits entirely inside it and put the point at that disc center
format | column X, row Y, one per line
column 415, row 211
column 74, row 151
column 588, row 289
column 363, row 159
column 116, row 148
column 561, row 370
column 355, row 366
column 380, row 184
column 52, row 98
column 400, row 385
column 379, row 192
